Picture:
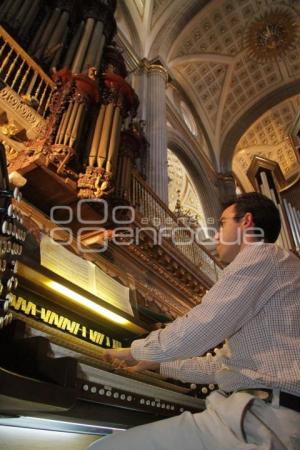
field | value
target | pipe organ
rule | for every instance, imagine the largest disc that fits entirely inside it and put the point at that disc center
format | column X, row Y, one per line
column 266, row 175
column 80, row 140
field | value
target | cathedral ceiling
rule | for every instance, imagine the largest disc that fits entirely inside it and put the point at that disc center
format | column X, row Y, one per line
column 219, row 52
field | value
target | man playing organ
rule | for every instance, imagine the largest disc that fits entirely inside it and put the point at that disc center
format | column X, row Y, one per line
column 255, row 309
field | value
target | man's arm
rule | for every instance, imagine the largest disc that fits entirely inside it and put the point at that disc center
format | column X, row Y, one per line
column 193, row 370
column 244, row 289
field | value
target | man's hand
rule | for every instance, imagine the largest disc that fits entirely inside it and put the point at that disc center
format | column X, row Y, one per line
column 122, row 358
column 143, row 365
column 121, row 354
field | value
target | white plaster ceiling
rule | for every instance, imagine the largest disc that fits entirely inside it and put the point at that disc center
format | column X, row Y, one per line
column 202, row 44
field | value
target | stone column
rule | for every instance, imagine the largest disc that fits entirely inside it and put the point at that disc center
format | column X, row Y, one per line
column 156, row 130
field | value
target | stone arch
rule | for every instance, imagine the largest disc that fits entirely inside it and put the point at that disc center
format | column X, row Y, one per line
column 204, row 184
column 253, row 113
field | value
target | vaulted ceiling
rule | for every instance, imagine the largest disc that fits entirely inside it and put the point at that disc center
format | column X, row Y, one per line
column 219, row 53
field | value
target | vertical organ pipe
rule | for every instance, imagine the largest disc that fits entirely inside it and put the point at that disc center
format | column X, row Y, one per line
column 90, row 58
column 58, row 53
column 71, row 121
column 24, row 10
column 58, row 31
column 112, row 149
column 96, row 136
column 29, row 18
column 99, row 51
column 290, row 220
column 12, row 9
column 281, row 238
column 297, row 225
column 105, row 136
column 4, row 7
column 267, row 192
column 73, row 46
column 63, row 125
column 77, row 124
column 284, row 228
column 35, row 42
column 47, row 32
column 81, row 51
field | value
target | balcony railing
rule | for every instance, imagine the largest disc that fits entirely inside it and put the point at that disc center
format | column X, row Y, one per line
column 155, row 214
column 22, row 74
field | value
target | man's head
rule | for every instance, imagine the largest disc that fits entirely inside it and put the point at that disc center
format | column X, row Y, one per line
column 247, row 219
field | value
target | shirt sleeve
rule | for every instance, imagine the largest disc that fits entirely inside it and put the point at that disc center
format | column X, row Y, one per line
column 244, row 288
column 192, row 370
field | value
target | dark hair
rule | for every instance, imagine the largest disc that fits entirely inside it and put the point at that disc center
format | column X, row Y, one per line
column 265, row 213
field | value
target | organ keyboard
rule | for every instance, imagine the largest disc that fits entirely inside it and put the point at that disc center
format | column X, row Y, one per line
column 51, row 363
column 46, row 379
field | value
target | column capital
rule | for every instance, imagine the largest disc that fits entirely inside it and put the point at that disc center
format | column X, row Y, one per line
column 154, row 66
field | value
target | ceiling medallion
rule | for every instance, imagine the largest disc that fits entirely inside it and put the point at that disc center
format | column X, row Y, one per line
column 272, row 34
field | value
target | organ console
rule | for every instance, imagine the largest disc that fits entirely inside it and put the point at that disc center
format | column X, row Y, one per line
column 51, row 364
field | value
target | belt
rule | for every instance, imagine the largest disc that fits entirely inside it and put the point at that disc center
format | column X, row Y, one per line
column 288, row 400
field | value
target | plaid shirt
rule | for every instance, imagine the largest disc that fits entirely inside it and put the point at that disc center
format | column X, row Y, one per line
column 255, row 308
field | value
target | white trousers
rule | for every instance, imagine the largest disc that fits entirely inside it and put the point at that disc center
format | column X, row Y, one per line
column 240, row 421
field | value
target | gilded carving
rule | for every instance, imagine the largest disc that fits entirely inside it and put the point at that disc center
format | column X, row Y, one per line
column 14, row 102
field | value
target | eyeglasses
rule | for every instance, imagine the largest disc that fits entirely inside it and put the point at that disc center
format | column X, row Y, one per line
column 220, row 222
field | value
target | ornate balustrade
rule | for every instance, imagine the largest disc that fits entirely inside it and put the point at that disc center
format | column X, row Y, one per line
column 23, row 75
column 152, row 212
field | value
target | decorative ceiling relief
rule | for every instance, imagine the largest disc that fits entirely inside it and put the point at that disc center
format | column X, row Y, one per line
column 218, row 31
column 268, row 137
column 292, row 61
column 272, row 34
column 206, row 80
column 249, row 82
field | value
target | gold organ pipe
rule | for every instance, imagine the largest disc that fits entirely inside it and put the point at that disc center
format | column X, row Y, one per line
column 112, row 149
column 67, row 135
column 63, row 125
column 104, row 140
column 96, row 136
column 77, row 123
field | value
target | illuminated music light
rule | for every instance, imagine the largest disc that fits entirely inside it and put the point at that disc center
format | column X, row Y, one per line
column 83, row 301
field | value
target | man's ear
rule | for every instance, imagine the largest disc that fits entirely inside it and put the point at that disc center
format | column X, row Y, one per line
column 247, row 220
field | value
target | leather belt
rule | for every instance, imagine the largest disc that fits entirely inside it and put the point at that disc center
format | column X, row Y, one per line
column 288, row 400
